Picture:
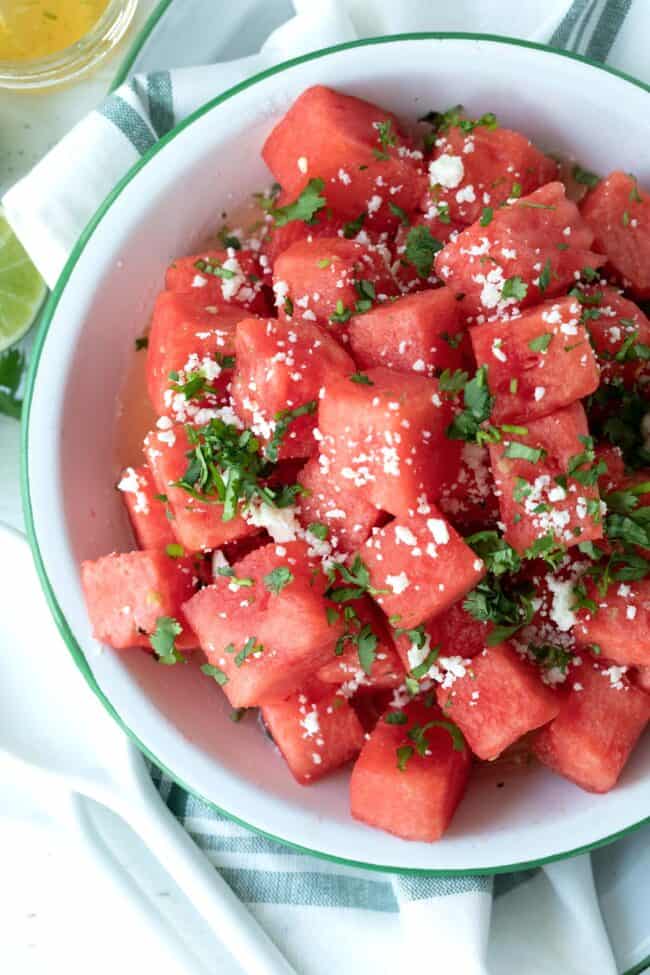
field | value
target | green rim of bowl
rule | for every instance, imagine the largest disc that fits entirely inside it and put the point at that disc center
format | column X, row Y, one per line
column 150, row 23
column 48, row 315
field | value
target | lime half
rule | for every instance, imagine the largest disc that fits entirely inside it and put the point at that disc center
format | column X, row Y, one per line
column 22, row 289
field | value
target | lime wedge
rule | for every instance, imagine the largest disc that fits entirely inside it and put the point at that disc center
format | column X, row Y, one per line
column 22, row 289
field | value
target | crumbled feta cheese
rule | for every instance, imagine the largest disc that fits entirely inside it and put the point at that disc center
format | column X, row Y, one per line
column 447, row 171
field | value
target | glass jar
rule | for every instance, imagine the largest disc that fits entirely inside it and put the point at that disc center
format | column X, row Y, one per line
column 74, row 59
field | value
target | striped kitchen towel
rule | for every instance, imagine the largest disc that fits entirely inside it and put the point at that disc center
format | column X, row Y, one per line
column 324, row 916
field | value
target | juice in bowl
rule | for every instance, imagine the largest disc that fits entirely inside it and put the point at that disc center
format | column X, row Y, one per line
column 45, row 42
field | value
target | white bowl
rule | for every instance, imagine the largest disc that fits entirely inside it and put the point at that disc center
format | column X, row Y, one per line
column 163, row 208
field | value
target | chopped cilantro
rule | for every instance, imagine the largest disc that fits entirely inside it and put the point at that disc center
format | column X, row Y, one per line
column 318, row 530
column 366, row 291
column 229, row 240
column 514, row 288
column 163, row 640
column 174, row 550
column 361, row 379
column 276, row 580
column 498, row 555
column 523, row 451
column 486, row 216
column 452, row 382
column 545, row 276
column 304, row 208
column 477, row 403
column 352, row 228
column 341, row 314
column 141, row 343
column 250, row 647
column 421, row 249
column 215, row 269
column 283, row 421
column 584, row 176
column 396, row 717
column 216, row 673
column 541, row 342
column 399, row 212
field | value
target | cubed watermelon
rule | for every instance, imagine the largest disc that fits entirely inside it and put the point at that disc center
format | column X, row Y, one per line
column 515, row 260
column 358, row 149
column 384, row 434
column 483, row 168
column 192, row 341
column 620, row 334
column 147, row 511
column 281, row 368
column 345, row 667
column 468, row 497
column 537, row 363
column 197, row 525
column 599, row 723
column 127, row 594
column 410, row 777
column 500, row 698
column 538, row 498
column 270, row 633
column 316, row 730
column 419, row 566
column 231, row 276
column 618, row 212
column 416, row 333
column 282, row 237
column 325, row 279
column 346, row 514
column 620, row 626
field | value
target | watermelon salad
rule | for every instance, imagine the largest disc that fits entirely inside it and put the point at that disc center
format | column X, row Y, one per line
column 397, row 494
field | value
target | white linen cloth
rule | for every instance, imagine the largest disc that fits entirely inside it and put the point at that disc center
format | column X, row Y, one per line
column 327, row 917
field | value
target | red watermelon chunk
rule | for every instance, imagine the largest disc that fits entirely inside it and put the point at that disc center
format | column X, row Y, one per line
column 397, row 789
column 319, row 280
column 386, row 669
column 147, row 511
column 468, row 497
column 385, row 436
column 533, row 505
column 499, row 699
column 358, row 149
column 198, row 526
column 620, row 626
column 189, row 338
column 281, row 238
column 231, row 276
column 416, row 333
column 484, row 168
column 518, row 252
column 618, row 212
column 347, row 515
column 419, row 566
column 266, row 642
column 599, row 723
column 620, row 335
column 280, row 367
column 316, row 730
column 537, row 363
column 127, row 594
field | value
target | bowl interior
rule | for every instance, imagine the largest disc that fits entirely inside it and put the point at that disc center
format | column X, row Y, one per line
column 167, row 206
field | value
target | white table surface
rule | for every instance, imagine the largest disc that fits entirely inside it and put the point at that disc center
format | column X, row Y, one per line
column 58, row 913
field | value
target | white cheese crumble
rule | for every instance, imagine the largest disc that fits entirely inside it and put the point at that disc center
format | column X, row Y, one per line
column 447, row 171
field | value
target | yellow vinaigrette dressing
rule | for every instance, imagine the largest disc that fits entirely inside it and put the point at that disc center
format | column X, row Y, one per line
column 32, row 29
